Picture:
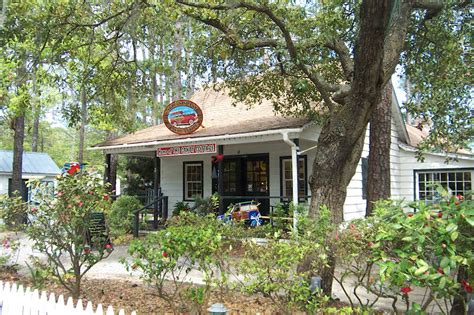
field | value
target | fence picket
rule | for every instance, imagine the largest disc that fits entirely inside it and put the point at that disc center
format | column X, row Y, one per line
column 100, row 310
column 110, row 310
column 16, row 300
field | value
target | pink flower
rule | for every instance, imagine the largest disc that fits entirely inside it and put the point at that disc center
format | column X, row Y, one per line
column 80, row 204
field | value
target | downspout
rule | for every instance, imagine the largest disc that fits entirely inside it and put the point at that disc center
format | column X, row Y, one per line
column 294, row 176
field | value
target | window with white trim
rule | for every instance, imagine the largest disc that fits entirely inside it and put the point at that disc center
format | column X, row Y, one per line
column 456, row 182
column 287, row 177
column 193, row 180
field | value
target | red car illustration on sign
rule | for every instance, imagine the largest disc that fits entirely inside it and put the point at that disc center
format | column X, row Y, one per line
column 179, row 118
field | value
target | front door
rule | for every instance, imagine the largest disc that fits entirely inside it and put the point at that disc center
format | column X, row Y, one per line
column 247, row 177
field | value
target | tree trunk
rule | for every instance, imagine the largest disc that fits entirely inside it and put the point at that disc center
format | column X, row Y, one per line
column 176, row 60
column 378, row 180
column 154, row 86
column 460, row 299
column 18, row 139
column 82, row 129
column 341, row 140
column 35, row 132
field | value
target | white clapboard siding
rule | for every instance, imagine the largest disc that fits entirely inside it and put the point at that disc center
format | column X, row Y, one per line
column 15, row 300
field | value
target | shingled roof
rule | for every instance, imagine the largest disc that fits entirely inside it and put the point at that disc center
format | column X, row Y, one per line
column 220, row 117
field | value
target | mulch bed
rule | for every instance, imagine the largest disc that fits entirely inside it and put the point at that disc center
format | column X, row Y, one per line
column 134, row 296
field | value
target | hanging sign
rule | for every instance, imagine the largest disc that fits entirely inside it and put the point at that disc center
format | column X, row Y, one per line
column 182, row 117
column 187, row 150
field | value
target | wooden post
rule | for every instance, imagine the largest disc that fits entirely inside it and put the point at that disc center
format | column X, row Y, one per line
column 156, row 190
column 220, row 179
column 108, row 160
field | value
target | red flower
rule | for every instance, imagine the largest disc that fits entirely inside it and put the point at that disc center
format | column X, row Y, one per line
column 106, row 197
column 406, row 290
column 440, row 270
column 459, row 197
column 370, row 244
column 466, row 286
column 165, row 254
column 91, row 192
column 108, row 247
column 410, row 215
column 74, row 168
column 34, row 210
column 440, row 215
column 87, row 250
column 80, row 204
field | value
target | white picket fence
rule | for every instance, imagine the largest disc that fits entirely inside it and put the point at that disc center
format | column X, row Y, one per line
column 14, row 300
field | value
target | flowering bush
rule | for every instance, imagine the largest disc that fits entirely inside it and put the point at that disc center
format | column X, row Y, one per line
column 8, row 251
column 393, row 252
column 170, row 255
column 61, row 227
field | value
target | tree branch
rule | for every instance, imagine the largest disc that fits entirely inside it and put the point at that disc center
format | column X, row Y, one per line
column 344, row 57
column 319, row 82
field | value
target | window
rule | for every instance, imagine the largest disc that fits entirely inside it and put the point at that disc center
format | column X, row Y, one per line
column 193, row 180
column 287, row 180
column 456, row 182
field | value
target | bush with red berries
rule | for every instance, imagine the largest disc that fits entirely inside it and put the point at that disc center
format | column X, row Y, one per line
column 60, row 227
column 165, row 260
column 395, row 251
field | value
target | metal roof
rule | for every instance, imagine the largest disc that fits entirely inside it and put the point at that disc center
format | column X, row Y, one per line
column 33, row 163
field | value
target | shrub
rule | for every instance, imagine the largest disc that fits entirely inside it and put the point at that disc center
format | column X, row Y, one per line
column 180, row 207
column 272, row 268
column 393, row 252
column 120, row 218
column 205, row 206
column 61, row 228
column 9, row 248
column 171, row 254
column 13, row 212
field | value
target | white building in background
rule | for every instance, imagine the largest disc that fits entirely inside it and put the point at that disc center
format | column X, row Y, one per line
column 255, row 146
column 36, row 165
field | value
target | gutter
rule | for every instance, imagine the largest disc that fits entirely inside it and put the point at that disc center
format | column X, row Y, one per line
column 463, row 156
column 294, row 175
column 200, row 139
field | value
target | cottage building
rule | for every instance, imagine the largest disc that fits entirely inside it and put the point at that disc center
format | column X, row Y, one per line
column 250, row 154
column 36, row 165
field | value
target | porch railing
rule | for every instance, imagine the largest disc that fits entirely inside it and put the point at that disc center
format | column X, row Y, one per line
column 159, row 204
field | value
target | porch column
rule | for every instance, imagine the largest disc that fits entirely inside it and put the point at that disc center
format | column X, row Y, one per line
column 294, row 171
column 156, row 191
column 294, row 174
column 108, row 160
column 220, row 179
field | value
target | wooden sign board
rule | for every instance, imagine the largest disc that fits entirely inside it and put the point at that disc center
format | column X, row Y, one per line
column 187, row 150
column 182, row 117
